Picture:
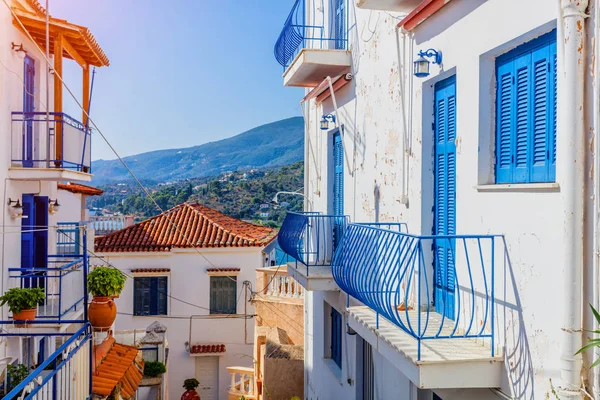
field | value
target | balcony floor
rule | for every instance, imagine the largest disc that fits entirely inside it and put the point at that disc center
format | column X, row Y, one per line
column 312, row 278
column 47, row 174
column 445, row 363
column 311, row 66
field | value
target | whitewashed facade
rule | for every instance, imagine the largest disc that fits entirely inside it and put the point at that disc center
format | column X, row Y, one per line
column 389, row 121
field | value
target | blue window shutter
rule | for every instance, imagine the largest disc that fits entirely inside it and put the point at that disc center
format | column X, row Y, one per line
column 552, row 130
column 162, row 295
column 336, row 337
column 27, row 249
column 340, row 24
column 541, row 136
column 522, row 125
column 504, row 123
column 338, row 182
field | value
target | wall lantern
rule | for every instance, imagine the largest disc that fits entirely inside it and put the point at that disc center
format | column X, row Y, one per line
column 19, row 49
column 421, row 64
column 325, row 121
column 53, row 206
column 16, row 209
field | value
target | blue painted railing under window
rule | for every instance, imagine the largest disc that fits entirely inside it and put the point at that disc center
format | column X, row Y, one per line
column 33, row 142
column 64, row 283
column 66, row 374
column 311, row 238
column 431, row 287
column 314, row 24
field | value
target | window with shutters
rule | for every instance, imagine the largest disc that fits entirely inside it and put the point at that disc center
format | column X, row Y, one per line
column 336, row 337
column 150, row 295
column 526, row 112
column 223, row 295
column 339, row 23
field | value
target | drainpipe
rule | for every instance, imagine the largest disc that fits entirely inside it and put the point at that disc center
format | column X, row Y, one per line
column 596, row 193
column 571, row 136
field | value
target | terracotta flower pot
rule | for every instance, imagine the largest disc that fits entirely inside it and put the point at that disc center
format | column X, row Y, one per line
column 24, row 315
column 102, row 313
column 190, row 395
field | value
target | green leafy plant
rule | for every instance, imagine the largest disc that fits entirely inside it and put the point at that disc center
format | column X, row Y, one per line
column 19, row 299
column 592, row 342
column 154, row 368
column 191, row 384
column 16, row 374
column 105, row 281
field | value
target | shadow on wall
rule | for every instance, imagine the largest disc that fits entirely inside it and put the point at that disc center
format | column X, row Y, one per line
column 518, row 362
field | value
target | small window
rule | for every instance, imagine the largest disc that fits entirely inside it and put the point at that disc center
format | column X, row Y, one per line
column 150, row 295
column 526, row 112
column 336, row 337
column 223, row 296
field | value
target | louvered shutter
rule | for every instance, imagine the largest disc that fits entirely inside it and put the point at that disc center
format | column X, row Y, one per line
column 522, row 124
column 542, row 116
column 552, row 80
column 504, row 123
column 27, row 240
column 162, row 295
column 340, row 24
column 338, row 187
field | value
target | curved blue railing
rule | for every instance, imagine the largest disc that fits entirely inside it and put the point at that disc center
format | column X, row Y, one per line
column 431, row 287
column 311, row 238
column 298, row 33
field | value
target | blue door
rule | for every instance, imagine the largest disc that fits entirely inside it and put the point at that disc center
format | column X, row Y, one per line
column 338, row 186
column 445, row 196
column 28, row 109
column 27, row 240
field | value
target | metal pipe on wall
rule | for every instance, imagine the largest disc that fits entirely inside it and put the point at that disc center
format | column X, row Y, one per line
column 571, row 175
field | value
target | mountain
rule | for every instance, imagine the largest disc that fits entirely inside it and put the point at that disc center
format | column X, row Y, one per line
column 275, row 144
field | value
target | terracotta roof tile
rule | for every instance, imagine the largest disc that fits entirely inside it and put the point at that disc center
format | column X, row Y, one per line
column 140, row 270
column 80, row 189
column 207, row 348
column 116, row 363
column 197, row 226
column 222, row 270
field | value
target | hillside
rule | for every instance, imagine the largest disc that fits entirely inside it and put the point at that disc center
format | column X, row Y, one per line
column 275, row 144
column 244, row 194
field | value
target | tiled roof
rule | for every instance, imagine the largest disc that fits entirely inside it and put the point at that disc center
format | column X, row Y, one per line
column 140, row 270
column 185, row 226
column 208, row 348
column 80, row 189
column 222, row 270
column 116, row 363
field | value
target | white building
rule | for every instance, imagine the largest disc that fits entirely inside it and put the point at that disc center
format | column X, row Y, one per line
column 483, row 150
column 193, row 270
column 43, row 218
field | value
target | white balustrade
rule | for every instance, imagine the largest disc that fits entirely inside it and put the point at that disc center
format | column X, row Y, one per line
column 280, row 284
column 242, row 382
column 105, row 224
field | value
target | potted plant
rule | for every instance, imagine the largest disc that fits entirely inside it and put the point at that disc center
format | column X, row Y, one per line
column 15, row 375
column 104, row 283
column 153, row 369
column 190, row 386
column 23, row 302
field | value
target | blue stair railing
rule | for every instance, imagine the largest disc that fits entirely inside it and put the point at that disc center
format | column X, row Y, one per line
column 431, row 287
column 311, row 238
column 65, row 374
column 318, row 32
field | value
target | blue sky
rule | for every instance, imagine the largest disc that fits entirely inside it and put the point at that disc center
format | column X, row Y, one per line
column 183, row 72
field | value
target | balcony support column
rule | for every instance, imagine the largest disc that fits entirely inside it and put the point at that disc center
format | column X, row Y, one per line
column 86, row 94
column 58, row 71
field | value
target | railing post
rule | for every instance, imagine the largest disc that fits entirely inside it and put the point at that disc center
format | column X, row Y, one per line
column 420, row 266
column 85, row 274
column 233, row 382
column 493, row 293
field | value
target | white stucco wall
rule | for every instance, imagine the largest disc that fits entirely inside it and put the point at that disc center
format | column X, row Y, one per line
column 470, row 34
column 189, row 281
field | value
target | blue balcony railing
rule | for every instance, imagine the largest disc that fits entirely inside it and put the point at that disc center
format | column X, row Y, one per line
column 312, row 25
column 64, row 283
column 65, row 374
column 431, row 287
column 311, row 238
column 33, row 143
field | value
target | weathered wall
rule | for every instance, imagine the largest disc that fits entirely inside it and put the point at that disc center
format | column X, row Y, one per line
column 283, row 378
column 383, row 185
column 284, row 315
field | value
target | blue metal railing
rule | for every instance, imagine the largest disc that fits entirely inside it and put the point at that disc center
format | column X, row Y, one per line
column 326, row 28
column 65, row 374
column 68, row 238
column 63, row 284
column 311, row 238
column 34, row 141
column 431, row 287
